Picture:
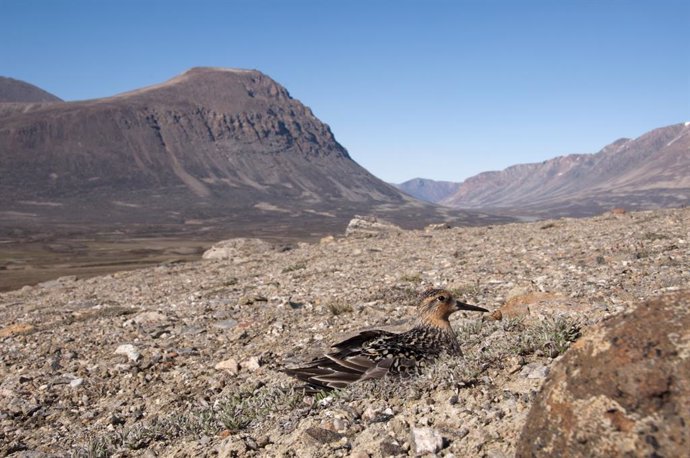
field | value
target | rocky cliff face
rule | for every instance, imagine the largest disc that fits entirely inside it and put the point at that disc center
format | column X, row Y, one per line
column 210, row 143
column 204, row 132
column 647, row 172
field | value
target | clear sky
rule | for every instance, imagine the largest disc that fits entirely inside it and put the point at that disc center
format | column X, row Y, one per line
column 436, row 89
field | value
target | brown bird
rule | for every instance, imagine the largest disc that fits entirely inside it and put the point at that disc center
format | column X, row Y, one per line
column 376, row 353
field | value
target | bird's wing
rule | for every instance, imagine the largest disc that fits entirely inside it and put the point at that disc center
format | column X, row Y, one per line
column 349, row 363
column 365, row 337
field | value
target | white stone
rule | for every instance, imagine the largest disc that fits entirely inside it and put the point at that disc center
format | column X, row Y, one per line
column 128, row 350
column 426, row 440
column 251, row 364
column 150, row 317
column 229, row 365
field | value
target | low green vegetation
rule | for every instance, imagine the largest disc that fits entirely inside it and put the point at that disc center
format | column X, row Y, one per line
column 232, row 412
column 487, row 346
column 294, row 267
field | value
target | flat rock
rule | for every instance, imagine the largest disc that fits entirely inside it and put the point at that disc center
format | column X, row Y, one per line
column 231, row 365
column 322, row 435
column 623, row 389
column 16, row 329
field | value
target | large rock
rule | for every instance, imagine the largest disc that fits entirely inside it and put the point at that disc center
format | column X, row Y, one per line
column 370, row 226
column 238, row 247
column 622, row 390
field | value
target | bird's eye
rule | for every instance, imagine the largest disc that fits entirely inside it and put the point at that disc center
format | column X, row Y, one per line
column 442, row 298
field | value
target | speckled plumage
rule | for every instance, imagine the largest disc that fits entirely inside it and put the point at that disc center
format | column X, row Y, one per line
column 376, row 353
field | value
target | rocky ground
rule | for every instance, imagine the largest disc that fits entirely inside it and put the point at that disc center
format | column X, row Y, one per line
column 184, row 359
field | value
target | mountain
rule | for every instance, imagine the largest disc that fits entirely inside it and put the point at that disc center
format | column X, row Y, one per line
column 650, row 171
column 209, row 149
column 16, row 91
column 428, row 190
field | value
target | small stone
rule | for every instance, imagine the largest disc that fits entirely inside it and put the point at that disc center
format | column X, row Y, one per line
column 539, row 373
column 426, row 440
column 128, row 350
column 495, row 453
column 437, row 227
column 229, row 365
column 231, row 446
column 149, row 318
column 340, row 425
column 322, row 435
column 77, row 382
column 390, row 447
column 251, row 364
column 534, row 371
column 326, row 240
column 225, row 324
column 16, row 329
column 377, row 415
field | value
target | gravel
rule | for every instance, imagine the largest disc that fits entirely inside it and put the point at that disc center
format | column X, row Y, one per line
column 185, row 359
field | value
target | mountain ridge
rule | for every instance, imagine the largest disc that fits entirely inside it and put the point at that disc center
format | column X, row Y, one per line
column 650, row 171
column 228, row 147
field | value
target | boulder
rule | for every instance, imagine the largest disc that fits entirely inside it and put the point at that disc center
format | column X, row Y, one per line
column 370, row 226
column 621, row 390
column 238, row 247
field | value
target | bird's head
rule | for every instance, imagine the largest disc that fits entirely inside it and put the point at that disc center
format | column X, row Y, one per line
column 436, row 305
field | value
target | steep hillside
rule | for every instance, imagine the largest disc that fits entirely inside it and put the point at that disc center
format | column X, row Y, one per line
column 650, row 171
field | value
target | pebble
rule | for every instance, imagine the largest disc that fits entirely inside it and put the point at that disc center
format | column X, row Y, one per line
column 231, row 365
column 323, row 435
column 150, row 317
column 252, row 364
column 225, row 324
column 129, row 350
column 534, row 371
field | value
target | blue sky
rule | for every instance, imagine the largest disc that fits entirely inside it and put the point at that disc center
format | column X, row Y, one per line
column 437, row 89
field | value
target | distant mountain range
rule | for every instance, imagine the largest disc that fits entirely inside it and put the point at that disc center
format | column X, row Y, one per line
column 209, row 149
column 429, row 190
column 16, row 91
column 650, row 171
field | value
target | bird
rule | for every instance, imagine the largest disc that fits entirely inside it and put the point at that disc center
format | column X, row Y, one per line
column 373, row 354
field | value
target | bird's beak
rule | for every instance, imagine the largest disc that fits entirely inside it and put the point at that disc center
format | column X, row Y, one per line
column 462, row 306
